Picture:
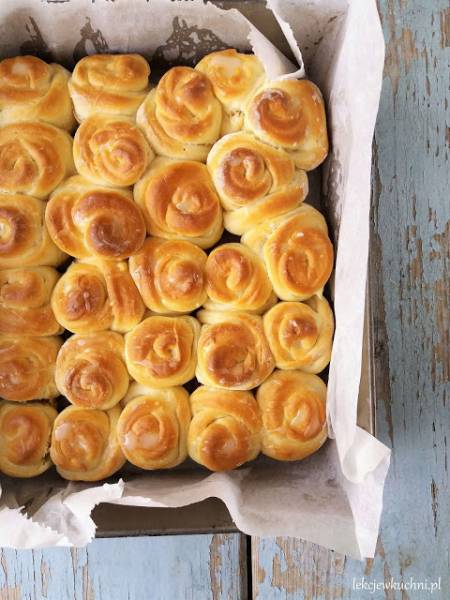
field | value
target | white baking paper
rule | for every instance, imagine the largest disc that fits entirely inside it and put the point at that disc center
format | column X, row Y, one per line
column 334, row 498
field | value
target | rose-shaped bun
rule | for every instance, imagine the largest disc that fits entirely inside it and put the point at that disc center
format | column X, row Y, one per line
column 300, row 334
column 25, row 302
column 290, row 114
column 297, row 252
column 114, row 84
column 25, row 433
column 32, row 90
column 233, row 352
column 85, row 220
column 225, row 429
column 95, row 295
column 34, row 158
column 84, row 444
column 170, row 275
column 27, row 368
column 234, row 77
column 179, row 202
column 24, row 239
column 181, row 117
column 153, row 426
column 111, row 151
column 91, row 371
column 236, row 279
column 161, row 352
column 254, row 180
column 293, row 409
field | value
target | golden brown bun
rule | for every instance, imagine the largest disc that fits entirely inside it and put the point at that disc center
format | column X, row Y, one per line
column 235, row 77
column 84, row 444
column 32, row 90
column 24, row 239
column 95, row 295
column 34, row 158
column 293, row 408
column 181, row 117
column 236, row 279
column 27, row 368
column 161, row 352
column 225, row 429
column 25, row 432
column 254, row 180
column 179, row 202
column 111, row 150
column 153, row 427
column 297, row 252
column 85, row 220
column 300, row 334
column 91, row 371
column 233, row 352
column 170, row 275
column 25, row 302
column 114, row 84
column 290, row 114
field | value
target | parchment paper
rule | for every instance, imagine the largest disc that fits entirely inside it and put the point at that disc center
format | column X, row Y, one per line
column 334, row 498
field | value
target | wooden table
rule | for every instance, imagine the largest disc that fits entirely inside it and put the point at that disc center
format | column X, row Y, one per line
column 410, row 256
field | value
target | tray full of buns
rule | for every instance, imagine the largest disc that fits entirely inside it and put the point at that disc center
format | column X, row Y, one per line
column 162, row 272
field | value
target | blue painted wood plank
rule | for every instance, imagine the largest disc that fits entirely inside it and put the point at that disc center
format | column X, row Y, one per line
column 410, row 262
column 197, row 567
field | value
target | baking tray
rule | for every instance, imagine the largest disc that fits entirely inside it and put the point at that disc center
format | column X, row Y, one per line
column 211, row 515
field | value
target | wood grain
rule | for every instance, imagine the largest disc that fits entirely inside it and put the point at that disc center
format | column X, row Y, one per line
column 411, row 298
column 197, row 567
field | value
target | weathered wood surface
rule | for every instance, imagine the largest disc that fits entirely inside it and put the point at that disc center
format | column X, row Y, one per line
column 411, row 299
column 198, row 567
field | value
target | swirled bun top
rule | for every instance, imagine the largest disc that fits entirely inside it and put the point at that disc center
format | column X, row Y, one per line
column 34, row 158
column 181, row 117
column 32, row 90
column 113, row 84
column 86, row 220
column 293, row 409
column 111, row 150
column 290, row 114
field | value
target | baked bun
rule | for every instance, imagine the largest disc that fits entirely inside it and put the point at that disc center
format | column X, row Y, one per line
column 114, row 84
column 34, row 158
column 297, row 252
column 235, row 77
column 27, row 368
column 91, row 371
column 111, row 150
column 85, row 220
column 233, row 352
column 25, row 302
column 293, row 409
column 153, row 426
column 236, row 279
column 170, row 275
column 25, row 432
column 290, row 114
column 225, row 428
column 181, row 117
column 300, row 334
column 254, row 180
column 95, row 295
column 179, row 202
column 161, row 352
column 32, row 90
column 24, row 239
column 84, row 444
